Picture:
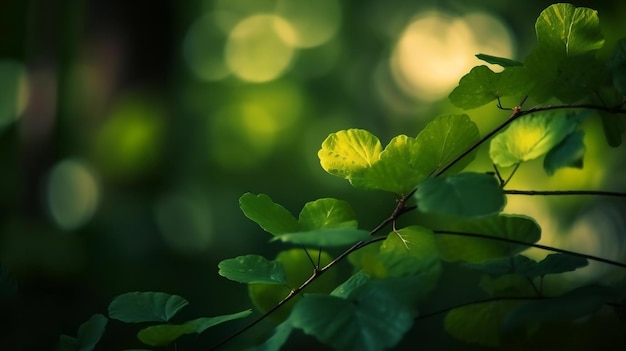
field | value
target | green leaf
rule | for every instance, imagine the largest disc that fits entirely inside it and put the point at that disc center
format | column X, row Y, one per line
column 252, row 269
column 617, row 66
column 482, row 86
column 508, row 285
column 479, row 323
column 136, row 307
column 568, row 153
column 465, row 194
column 614, row 127
column 524, row 266
column 575, row 304
column 556, row 263
column 569, row 30
column 442, row 140
column 347, row 288
column 277, row 340
column 370, row 321
column 356, row 154
column 272, row 217
column 462, row 248
column 298, row 268
column 504, row 265
column 532, row 136
column 164, row 334
column 348, row 153
column 500, row 61
column 90, row 332
column 68, row 343
column 569, row 79
column 397, row 170
column 326, row 214
column 411, row 251
column 325, row 237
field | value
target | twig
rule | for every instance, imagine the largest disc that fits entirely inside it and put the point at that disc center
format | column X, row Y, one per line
column 564, row 192
column 539, row 246
column 478, row 302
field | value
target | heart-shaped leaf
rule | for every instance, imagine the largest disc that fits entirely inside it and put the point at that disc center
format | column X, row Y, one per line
column 471, row 249
column 164, row 334
column 137, row 307
column 252, row 269
column 325, row 237
column 272, row 217
column 465, row 195
column 569, row 30
column 532, row 136
column 326, row 213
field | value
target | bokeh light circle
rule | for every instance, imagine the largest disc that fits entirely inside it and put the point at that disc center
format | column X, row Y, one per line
column 72, row 194
column 13, row 91
column 435, row 50
column 258, row 48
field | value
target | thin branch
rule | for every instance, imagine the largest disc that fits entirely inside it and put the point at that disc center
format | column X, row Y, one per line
column 539, row 246
column 478, row 302
column 611, row 109
column 517, row 113
column 400, row 209
column 564, row 192
column 511, row 175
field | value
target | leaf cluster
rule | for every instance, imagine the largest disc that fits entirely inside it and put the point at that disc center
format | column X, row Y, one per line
column 394, row 270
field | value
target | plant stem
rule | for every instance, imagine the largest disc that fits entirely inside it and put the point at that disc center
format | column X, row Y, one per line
column 399, row 210
column 539, row 246
column 517, row 113
column 564, row 192
column 478, row 302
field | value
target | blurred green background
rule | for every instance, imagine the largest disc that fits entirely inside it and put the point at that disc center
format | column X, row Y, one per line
column 129, row 129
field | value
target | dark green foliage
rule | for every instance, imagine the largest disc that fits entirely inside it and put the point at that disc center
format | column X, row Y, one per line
column 397, row 266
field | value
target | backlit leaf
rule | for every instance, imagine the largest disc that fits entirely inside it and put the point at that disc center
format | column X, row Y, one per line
column 272, row 217
column 252, row 269
column 479, row 323
column 325, row 237
column 569, row 30
column 136, row 307
column 410, row 251
column 482, row 86
column 465, row 194
column 568, row 153
column 325, row 214
column 348, row 153
column 397, row 170
column 164, row 334
column 442, row 140
column 460, row 248
column 532, row 136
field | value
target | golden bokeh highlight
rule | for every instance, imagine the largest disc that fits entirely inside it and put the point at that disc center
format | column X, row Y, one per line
column 257, row 49
column 436, row 49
